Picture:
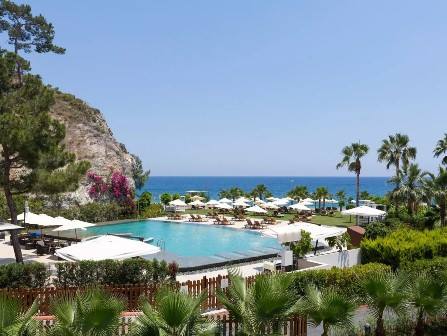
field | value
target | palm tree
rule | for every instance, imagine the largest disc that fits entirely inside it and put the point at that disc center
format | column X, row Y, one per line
column 435, row 188
column 341, row 198
column 441, row 148
column 352, row 156
column 261, row 190
column 15, row 322
column 395, row 151
column 298, row 193
column 410, row 190
column 235, row 192
column 384, row 291
column 327, row 307
column 224, row 194
column 173, row 314
column 321, row 193
column 260, row 307
column 429, row 296
column 92, row 313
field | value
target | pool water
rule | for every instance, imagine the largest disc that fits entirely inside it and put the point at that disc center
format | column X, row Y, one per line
column 191, row 239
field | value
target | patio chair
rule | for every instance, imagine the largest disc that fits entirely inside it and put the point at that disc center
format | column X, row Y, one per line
column 192, row 218
column 41, row 248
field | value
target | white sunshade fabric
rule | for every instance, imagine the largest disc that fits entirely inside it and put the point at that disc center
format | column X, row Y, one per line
column 292, row 232
column 197, row 198
column 331, row 201
column 281, row 202
column 256, row 209
column 178, row 202
column 224, row 206
column 271, row 206
column 8, row 227
column 299, row 206
column 225, row 200
column 240, row 204
column 40, row 220
column 106, row 247
column 212, row 202
column 271, row 199
column 310, row 200
column 364, row 211
column 242, row 199
column 197, row 203
column 73, row 225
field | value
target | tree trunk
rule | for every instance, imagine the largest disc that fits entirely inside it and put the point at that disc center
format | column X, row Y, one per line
column 357, row 189
column 380, row 330
column 324, row 203
column 11, row 205
column 325, row 329
column 396, row 199
column 442, row 212
column 419, row 330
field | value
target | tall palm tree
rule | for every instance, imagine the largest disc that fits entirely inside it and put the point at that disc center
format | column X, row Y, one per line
column 384, row 291
column 92, row 313
column 260, row 307
column 327, row 307
column 410, row 187
column 235, row 192
column 435, row 188
column 341, row 198
column 428, row 294
column 397, row 152
column 15, row 322
column 320, row 194
column 441, row 148
column 352, row 156
column 260, row 190
column 298, row 193
column 173, row 314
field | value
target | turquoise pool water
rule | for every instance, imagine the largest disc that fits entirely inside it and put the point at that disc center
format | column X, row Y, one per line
column 189, row 239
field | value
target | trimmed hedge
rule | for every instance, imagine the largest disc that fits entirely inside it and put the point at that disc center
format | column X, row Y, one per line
column 405, row 245
column 436, row 266
column 29, row 275
column 345, row 279
column 110, row 272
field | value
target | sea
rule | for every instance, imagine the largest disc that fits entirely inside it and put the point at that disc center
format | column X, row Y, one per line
column 278, row 185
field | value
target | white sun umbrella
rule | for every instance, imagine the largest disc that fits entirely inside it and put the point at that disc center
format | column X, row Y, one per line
column 225, row 200
column 212, row 203
column 224, row 206
column 364, row 211
column 197, row 203
column 106, row 247
column 197, row 198
column 306, row 203
column 178, row 202
column 272, row 199
column 259, row 202
column 292, row 232
column 271, row 206
column 310, row 200
column 243, row 199
column 73, row 225
column 331, row 201
column 240, row 203
column 256, row 209
column 281, row 202
column 299, row 207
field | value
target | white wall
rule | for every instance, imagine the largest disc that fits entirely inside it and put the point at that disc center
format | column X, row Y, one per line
column 342, row 259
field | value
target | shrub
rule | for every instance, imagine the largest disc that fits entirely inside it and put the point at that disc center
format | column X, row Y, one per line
column 436, row 266
column 29, row 275
column 375, row 230
column 345, row 279
column 110, row 272
column 153, row 210
column 405, row 245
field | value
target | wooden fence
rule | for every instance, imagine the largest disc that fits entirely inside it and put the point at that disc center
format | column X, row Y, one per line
column 132, row 295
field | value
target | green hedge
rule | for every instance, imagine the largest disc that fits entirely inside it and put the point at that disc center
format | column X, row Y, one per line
column 437, row 266
column 29, row 275
column 110, row 272
column 405, row 245
column 345, row 279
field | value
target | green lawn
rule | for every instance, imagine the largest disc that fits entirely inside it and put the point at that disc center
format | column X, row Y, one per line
column 336, row 220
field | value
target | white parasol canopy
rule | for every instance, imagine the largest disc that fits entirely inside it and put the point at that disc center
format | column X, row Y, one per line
column 212, row 202
column 299, row 206
column 41, row 220
column 225, row 200
column 256, row 209
column 310, row 200
column 197, row 198
column 224, row 206
column 240, row 203
column 178, row 202
column 331, row 201
column 197, row 203
column 271, row 199
column 271, row 206
column 73, row 225
column 292, row 232
column 106, row 247
column 364, row 211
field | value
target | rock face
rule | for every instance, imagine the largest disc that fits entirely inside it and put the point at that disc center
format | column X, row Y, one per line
column 90, row 138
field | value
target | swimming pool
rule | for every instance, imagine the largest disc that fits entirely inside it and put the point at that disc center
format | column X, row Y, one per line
column 192, row 239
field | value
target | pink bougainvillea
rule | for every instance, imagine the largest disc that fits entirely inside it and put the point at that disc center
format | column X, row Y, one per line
column 116, row 188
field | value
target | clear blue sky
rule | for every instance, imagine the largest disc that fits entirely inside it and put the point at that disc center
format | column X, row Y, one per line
column 255, row 87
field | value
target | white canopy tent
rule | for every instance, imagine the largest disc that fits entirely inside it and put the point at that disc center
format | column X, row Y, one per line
column 106, row 247
column 364, row 211
column 256, row 209
column 292, row 232
column 299, row 207
column 224, row 206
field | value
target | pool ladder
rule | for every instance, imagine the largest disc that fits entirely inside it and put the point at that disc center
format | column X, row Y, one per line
column 161, row 244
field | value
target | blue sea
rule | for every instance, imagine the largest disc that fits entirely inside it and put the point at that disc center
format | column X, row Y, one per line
column 278, row 185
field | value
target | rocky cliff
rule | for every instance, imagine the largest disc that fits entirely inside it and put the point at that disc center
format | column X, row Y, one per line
column 90, row 138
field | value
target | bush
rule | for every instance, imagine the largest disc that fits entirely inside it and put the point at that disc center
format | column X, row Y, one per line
column 93, row 212
column 345, row 279
column 405, row 245
column 153, row 210
column 29, row 275
column 110, row 272
column 436, row 266
column 375, row 230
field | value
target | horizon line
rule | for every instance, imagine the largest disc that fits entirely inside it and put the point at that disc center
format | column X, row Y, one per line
column 291, row 176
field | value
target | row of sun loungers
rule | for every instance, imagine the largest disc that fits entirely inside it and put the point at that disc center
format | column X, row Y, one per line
column 254, row 225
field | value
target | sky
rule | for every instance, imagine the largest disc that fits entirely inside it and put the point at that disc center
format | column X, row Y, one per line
column 251, row 87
